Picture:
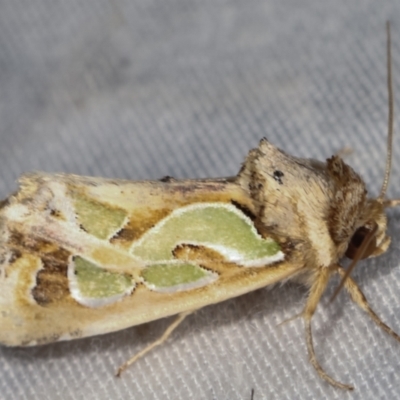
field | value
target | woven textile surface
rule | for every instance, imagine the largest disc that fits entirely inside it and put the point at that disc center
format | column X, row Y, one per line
column 143, row 89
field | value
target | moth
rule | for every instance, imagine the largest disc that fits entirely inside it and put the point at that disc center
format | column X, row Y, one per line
column 82, row 256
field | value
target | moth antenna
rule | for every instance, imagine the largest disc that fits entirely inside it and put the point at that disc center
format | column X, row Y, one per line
column 390, row 116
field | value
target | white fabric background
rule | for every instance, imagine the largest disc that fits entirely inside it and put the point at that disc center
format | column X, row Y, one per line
column 144, row 89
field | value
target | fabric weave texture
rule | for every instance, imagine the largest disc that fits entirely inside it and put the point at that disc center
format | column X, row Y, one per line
column 143, row 89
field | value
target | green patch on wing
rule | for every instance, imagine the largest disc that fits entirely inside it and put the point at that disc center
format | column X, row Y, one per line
column 176, row 276
column 98, row 219
column 93, row 286
column 218, row 226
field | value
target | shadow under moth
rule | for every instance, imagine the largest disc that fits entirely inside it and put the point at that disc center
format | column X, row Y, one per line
column 83, row 256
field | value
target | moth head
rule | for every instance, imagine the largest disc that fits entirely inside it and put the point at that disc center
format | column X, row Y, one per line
column 370, row 238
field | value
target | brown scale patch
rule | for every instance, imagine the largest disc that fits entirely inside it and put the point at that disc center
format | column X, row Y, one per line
column 15, row 254
column 186, row 251
column 207, row 258
column 57, row 214
column 30, row 243
column 197, row 254
column 52, row 281
column 124, row 235
column 167, row 179
column 138, row 224
column 245, row 210
column 5, row 202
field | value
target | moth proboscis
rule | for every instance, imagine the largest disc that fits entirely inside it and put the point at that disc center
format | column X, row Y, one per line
column 109, row 254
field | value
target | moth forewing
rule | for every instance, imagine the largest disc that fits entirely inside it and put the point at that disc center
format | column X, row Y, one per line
column 105, row 254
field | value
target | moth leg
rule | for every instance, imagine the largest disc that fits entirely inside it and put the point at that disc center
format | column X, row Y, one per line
column 316, row 291
column 156, row 343
column 358, row 297
column 285, row 321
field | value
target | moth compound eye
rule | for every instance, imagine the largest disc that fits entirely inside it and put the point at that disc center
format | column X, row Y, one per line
column 361, row 234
